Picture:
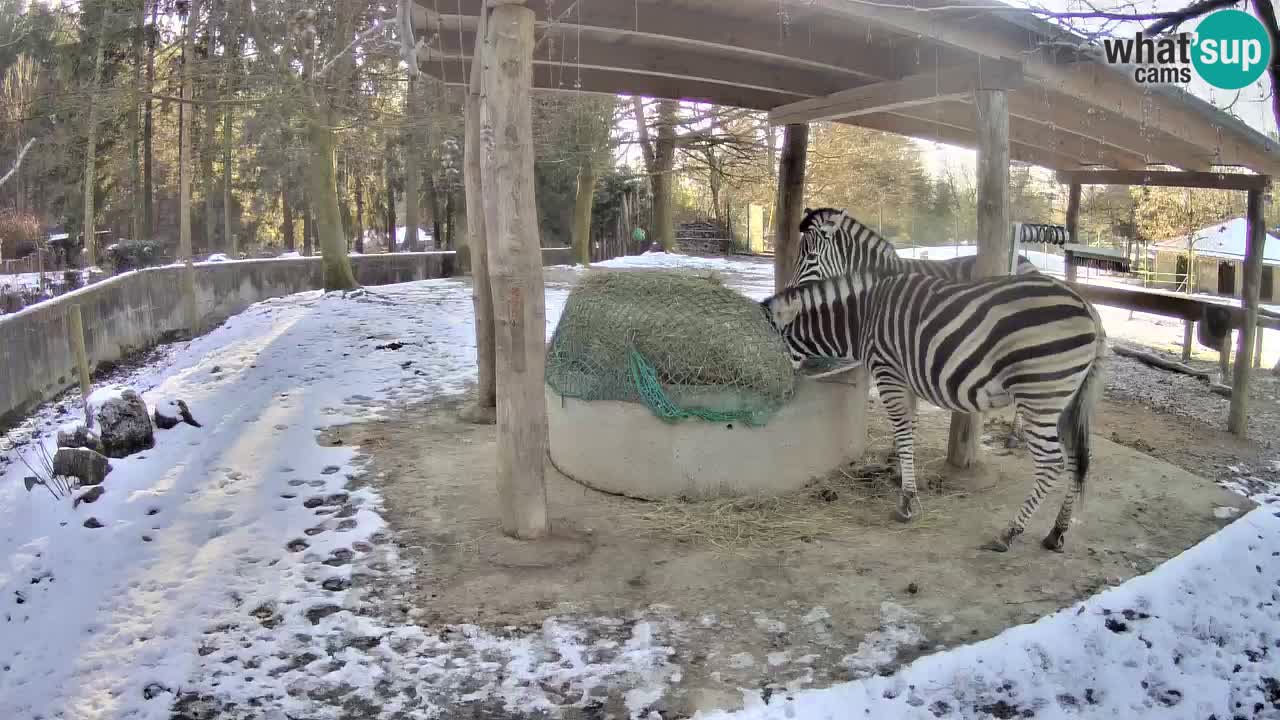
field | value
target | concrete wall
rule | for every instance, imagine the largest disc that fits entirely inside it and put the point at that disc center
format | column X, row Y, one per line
column 139, row 309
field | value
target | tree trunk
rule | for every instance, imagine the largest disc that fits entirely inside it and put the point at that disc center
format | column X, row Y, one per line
column 412, row 169
column 582, row 211
column 286, row 228
column 477, row 248
column 308, row 232
column 135, row 125
column 184, row 165
column 231, row 42
column 209, row 92
column 359, row 216
column 664, row 177
column 433, row 201
column 519, row 312
column 449, row 222
column 91, row 148
column 148, row 210
column 324, row 195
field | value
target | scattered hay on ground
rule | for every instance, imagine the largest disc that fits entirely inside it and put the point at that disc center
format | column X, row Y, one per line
column 862, row 494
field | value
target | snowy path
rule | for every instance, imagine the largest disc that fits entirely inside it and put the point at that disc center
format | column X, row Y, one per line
column 214, row 534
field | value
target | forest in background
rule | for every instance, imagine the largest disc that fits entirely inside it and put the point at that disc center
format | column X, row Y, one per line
column 267, row 87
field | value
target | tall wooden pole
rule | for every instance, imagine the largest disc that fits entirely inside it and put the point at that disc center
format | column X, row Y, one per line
column 791, row 170
column 477, row 248
column 1238, row 419
column 511, row 220
column 993, row 237
column 1073, row 229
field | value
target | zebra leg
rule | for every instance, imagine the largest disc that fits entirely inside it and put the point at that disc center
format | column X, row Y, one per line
column 1056, row 538
column 900, row 405
column 1042, row 440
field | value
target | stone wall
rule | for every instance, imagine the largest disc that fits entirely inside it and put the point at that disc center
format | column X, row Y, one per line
column 139, row 309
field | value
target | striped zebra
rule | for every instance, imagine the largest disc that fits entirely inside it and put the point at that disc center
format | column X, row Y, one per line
column 833, row 242
column 1025, row 340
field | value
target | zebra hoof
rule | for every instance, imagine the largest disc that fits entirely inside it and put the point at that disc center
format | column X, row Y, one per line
column 1054, row 541
column 997, row 545
column 907, row 509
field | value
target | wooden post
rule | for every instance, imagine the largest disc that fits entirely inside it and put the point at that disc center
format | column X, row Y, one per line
column 511, row 220
column 791, row 169
column 1238, row 419
column 477, row 244
column 1257, row 349
column 1073, row 229
column 993, row 228
column 75, row 325
column 1187, row 335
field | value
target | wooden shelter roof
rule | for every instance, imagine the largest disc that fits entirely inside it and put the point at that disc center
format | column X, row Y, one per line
column 903, row 67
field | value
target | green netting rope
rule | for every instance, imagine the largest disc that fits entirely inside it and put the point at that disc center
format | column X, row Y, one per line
column 645, row 378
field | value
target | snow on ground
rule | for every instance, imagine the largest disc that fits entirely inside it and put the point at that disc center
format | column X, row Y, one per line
column 1199, row 637
column 214, row 575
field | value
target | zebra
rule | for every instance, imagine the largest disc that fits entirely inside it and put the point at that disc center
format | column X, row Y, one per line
column 833, row 242
column 1029, row 341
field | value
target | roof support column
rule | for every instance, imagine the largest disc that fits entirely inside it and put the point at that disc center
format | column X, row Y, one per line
column 1238, row 419
column 515, row 266
column 992, row 127
column 1073, row 229
column 791, row 171
column 477, row 253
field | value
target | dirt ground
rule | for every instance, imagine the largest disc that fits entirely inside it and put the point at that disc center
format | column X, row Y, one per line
column 762, row 610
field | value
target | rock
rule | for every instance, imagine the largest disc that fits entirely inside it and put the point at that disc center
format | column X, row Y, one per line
column 88, row 496
column 76, row 435
column 92, row 523
column 171, row 412
column 87, row 466
column 125, row 425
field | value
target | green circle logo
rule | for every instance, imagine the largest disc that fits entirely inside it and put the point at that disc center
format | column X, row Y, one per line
column 1232, row 49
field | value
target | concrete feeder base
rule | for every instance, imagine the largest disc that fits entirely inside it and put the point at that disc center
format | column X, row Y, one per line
column 624, row 448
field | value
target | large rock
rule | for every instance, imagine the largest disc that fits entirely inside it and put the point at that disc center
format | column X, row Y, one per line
column 76, row 435
column 171, row 412
column 87, row 466
column 124, row 424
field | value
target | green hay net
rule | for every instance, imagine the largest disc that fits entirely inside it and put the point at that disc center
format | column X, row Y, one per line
column 682, row 345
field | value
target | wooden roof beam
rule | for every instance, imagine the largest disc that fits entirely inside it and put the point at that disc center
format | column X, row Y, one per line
column 1108, row 128
column 552, row 77
column 569, row 53
column 1034, row 134
column 1167, row 178
column 924, row 130
column 954, row 83
column 858, row 58
column 1171, row 112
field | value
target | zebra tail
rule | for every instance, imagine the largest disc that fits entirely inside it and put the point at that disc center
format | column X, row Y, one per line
column 1075, row 424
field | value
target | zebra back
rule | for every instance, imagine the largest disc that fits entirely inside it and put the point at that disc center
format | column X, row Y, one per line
column 833, row 242
column 951, row 342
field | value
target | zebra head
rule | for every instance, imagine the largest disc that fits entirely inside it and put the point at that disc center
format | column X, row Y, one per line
column 781, row 310
column 817, row 251
column 814, row 319
column 833, row 242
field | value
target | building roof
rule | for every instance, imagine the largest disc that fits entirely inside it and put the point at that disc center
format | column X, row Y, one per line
column 904, row 66
column 1224, row 240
